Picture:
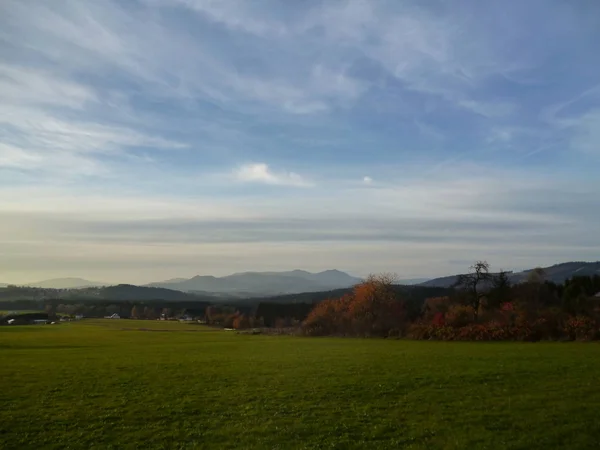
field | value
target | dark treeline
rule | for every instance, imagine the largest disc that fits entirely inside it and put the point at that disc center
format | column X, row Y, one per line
column 156, row 302
column 121, row 299
column 147, row 309
column 121, row 292
column 304, row 297
column 272, row 314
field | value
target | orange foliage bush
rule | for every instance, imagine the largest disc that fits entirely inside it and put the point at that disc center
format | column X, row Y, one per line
column 328, row 317
column 372, row 309
column 241, row 322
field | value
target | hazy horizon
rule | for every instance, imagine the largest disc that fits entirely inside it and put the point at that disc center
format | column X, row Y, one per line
column 143, row 279
column 170, row 138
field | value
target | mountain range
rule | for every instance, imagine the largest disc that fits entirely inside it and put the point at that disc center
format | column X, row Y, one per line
column 263, row 283
column 557, row 273
column 253, row 284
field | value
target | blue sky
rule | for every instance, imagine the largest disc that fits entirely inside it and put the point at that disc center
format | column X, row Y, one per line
column 148, row 139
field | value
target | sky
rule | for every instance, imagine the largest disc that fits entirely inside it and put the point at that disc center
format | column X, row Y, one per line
column 149, row 139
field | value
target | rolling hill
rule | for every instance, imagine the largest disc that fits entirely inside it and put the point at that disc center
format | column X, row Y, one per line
column 124, row 292
column 557, row 273
column 118, row 293
column 411, row 281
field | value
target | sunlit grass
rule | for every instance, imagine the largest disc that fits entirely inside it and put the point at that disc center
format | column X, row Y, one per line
column 152, row 384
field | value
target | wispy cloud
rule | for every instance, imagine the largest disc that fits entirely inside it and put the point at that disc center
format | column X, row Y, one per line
column 22, row 85
column 237, row 15
column 41, row 141
column 431, row 53
column 577, row 121
column 586, row 133
column 41, row 127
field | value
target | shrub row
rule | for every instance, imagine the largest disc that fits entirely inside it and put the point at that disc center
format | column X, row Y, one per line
column 580, row 328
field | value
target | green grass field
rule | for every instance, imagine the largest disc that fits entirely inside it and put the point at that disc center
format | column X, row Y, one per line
column 107, row 384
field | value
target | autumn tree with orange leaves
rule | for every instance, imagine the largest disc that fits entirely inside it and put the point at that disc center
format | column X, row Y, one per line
column 328, row 317
column 241, row 321
column 372, row 309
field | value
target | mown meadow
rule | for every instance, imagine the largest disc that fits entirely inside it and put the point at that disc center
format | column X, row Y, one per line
column 150, row 384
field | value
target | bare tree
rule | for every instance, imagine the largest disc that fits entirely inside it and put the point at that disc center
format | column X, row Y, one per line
column 472, row 281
